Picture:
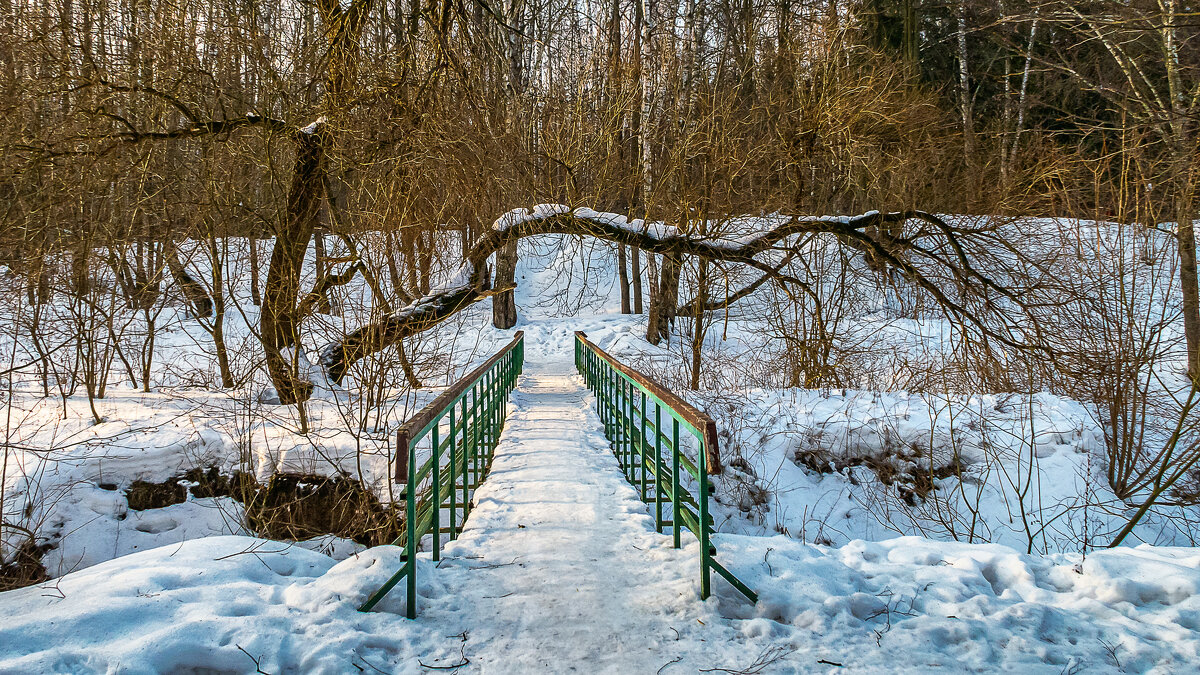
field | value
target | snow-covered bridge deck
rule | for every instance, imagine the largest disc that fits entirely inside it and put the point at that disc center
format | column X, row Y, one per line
column 561, row 549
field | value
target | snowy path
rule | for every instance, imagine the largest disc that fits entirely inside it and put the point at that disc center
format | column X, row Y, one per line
column 562, row 550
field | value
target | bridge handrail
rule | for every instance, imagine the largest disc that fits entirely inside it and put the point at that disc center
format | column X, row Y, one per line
column 469, row 446
column 415, row 427
column 690, row 417
column 623, row 403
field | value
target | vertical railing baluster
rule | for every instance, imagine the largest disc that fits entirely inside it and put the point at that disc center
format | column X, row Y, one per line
column 466, row 459
column 608, row 400
column 658, row 519
column 675, row 480
column 410, row 528
column 642, row 441
column 435, row 502
column 705, row 554
column 453, row 487
column 626, row 420
column 477, row 409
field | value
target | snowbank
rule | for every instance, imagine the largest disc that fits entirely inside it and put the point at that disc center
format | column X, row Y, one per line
column 236, row 604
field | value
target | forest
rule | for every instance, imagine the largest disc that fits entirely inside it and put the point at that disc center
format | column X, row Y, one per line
column 929, row 265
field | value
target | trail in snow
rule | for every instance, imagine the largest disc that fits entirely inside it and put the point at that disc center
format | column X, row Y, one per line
column 561, row 549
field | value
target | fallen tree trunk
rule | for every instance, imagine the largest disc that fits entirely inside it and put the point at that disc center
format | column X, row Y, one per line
column 472, row 284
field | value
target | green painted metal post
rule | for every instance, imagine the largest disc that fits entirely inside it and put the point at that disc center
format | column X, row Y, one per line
column 466, row 461
column 658, row 519
column 485, row 412
column 494, row 404
column 675, row 480
column 476, row 437
column 622, row 420
column 488, row 421
column 435, row 493
column 626, row 436
column 606, row 398
column 642, row 442
column 705, row 553
column 453, row 478
column 410, row 527
column 606, row 401
column 630, row 429
column 477, row 400
column 620, row 424
column 613, row 410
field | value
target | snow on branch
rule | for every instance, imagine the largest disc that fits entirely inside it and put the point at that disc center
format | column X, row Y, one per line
column 878, row 235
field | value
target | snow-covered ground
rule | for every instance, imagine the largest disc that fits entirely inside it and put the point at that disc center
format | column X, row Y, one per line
column 989, row 565
column 560, row 570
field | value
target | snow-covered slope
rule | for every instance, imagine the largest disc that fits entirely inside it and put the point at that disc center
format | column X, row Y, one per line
column 560, row 570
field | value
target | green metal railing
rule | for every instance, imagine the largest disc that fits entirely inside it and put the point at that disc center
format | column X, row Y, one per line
column 642, row 419
column 460, row 455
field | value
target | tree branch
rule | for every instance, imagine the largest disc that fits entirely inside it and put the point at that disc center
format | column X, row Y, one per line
column 471, row 283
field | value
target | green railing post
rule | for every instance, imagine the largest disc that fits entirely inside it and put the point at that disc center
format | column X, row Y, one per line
column 642, row 441
column 675, row 517
column 631, row 431
column 494, row 408
column 410, row 528
column 658, row 519
column 606, row 399
column 485, row 412
column 626, row 436
column 435, row 491
column 476, row 437
column 453, row 479
column 705, row 553
column 466, row 462
column 620, row 428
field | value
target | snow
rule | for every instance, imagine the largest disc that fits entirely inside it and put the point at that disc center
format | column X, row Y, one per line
column 314, row 126
column 560, row 569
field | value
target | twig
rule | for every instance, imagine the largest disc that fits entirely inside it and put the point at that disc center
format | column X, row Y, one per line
column 769, row 656
column 462, row 655
column 677, row 659
column 368, row 664
column 257, row 668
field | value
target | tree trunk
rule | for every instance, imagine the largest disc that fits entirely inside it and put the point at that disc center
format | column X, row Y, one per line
column 338, row 356
column 698, row 321
column 218, row 256
column 320, row 257
column 964, row 87
column 398, row 285
column 425, row 260
column 623, row 277
column 193, row 291
column 504, row 304
column 280, row 321
column 662, row 306
column 635, row 269
column 1188, row 281
column 1006, row 160
column 255, row 295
